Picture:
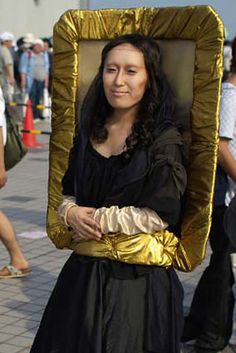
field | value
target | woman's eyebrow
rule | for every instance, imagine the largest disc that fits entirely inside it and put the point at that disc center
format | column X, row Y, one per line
column 126, row 65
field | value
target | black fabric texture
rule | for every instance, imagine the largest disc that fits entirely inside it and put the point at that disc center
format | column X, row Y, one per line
column 221, row 186
column 230, row 222
column 92, row 311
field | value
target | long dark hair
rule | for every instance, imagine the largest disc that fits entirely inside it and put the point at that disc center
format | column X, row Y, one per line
column 155, row 107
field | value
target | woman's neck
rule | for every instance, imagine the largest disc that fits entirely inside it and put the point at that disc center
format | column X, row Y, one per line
column 122, row 117
column 232, row 79
column 119, row 127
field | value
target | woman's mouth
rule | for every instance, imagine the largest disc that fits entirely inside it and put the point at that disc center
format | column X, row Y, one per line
column 118, row 93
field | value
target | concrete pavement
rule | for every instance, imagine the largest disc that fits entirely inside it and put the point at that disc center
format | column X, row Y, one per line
column 22, row 301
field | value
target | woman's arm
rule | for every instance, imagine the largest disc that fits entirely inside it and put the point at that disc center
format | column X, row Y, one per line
column 128, row 220
column 79, row 219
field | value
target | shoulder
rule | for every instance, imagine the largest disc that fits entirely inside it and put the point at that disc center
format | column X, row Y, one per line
column 228, row 91
column 28, row 54
column 228, row 104
column 4, row 50
column 169, row 148
column 6, row 54
column 24, row 56
column 167, row 136
column 228, row 87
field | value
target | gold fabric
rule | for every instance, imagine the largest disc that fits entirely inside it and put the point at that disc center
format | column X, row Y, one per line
column 160, row 249
column 147, row 249
column 197, row 29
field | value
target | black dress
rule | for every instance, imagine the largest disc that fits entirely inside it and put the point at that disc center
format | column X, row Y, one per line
column 104, row 306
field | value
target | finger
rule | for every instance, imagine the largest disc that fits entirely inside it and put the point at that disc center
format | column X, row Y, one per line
column 89, row 209
column 88, row 233
column 77, row 234
column 77, row 237
column 91, row 232
column 88, row 227
column 92, row 223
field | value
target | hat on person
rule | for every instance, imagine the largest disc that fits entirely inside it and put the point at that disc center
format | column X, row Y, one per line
column 28, row 38
column 37, row 41
column 6, row 36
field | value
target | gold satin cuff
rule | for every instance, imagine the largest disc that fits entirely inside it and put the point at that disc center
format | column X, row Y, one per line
column 129, row 220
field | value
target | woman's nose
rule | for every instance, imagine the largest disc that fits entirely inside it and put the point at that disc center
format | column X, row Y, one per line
column 119, row 79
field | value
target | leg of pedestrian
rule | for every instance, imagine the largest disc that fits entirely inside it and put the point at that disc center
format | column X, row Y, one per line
column 19, row 265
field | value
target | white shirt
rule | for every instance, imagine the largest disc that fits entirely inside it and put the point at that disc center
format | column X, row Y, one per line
column 228, row 127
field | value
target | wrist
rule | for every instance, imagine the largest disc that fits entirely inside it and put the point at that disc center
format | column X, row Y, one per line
column 68, row 212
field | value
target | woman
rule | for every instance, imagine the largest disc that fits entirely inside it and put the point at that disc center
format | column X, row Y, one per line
column 124, row 176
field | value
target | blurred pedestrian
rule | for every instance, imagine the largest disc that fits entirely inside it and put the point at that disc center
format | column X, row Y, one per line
column 23, row 44
column 47, row 47
column 210, row 320
column 227, row 59
column 19, row 266
column 34, row 70
column 7, row 80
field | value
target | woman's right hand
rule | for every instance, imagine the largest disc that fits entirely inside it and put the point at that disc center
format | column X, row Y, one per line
column 3, row 177
column 83, row 225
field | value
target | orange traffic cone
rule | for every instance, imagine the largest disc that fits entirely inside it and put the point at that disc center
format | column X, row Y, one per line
column 29, row 139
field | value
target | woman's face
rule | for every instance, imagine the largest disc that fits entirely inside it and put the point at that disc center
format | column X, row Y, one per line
column 125, row 77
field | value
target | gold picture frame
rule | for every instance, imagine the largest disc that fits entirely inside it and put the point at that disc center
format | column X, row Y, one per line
column 199, row 32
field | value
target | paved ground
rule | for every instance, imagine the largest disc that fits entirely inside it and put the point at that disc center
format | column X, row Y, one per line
column 22, row 301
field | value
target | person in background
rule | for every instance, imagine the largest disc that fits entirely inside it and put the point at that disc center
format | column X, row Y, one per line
column 227, row 59
column 34, row 71
column 210, row 320
column 19, row 266
column 7, row 80
column 23, row 45
column 47, row 45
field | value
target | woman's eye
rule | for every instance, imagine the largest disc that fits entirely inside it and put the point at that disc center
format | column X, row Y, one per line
column 131, row 72
column 110, row 69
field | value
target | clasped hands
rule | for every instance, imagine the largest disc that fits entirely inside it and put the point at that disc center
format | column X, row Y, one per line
column 84, row 227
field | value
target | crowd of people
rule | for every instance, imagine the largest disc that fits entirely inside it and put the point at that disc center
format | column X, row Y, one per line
column 25, row 69
column 25, row 72
column 125, row 114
